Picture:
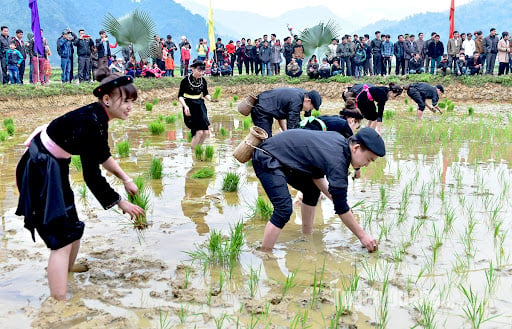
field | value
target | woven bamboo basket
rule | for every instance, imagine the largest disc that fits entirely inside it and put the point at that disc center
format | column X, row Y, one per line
column 245, row 106
column 243, row 152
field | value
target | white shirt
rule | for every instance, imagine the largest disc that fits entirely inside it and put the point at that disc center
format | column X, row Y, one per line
column 469, row 47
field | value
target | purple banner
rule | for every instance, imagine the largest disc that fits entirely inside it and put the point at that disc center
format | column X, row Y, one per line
column 36, row 27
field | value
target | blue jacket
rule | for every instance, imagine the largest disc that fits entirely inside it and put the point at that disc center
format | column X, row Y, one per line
column 66, row 47
column 387, row 49
column 13, row 57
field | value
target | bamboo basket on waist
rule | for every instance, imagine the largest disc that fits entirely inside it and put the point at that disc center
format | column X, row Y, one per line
column 243, row 152
column 245, row 106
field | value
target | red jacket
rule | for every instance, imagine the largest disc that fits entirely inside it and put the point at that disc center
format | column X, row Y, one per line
column 185, row 53
column 230, row 48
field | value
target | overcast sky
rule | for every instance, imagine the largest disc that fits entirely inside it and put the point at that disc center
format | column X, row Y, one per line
column 373, row 9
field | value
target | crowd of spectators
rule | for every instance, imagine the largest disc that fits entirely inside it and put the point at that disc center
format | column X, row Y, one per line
column 353, row 55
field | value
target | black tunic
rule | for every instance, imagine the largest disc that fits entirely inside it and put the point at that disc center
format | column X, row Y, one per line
column 198, row 119
column 84, row 132
column 421, row 91
column 313, row 153
column 367, row 107
column 332, row 123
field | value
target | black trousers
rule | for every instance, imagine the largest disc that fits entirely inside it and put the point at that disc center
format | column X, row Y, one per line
column 377, row 64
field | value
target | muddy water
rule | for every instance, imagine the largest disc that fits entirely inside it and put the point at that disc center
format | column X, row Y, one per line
column 135, row 282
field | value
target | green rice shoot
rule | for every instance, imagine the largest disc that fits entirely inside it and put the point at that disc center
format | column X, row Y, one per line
column 149, row 107
column 189, row 136
column 235, row 98
column 123, row 149
column 8, row 121
column 471, row 111
column 170, row 119
column 155, row 171
column 247, row 123
column 142, row 199
column 175, row 103
column 209, row 151
column 155, row 101
column 262, row 209
column 223, row 131
column 10, row 129
column 199, row 151
column 3, row 136
column 389, row 114
column 230, row 182
column 76, row 162
column 205, row 172
column 218, row 92
column 156, row 127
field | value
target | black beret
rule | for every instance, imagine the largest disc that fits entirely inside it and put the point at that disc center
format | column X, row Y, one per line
column 370, row 139
column 109, row 86
column 440, row 87
column 316, row 99
column 198, row 64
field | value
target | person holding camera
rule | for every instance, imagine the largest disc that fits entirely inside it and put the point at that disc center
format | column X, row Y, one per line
column 65, row 51
column 103, row 46
column 84, row 46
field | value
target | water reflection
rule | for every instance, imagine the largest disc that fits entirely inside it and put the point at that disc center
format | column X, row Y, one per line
column 194, row 204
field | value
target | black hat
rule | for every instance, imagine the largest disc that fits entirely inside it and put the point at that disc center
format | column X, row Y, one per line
column 316, row 99
column 370, row 139
column 198, row 64
column 440, row 87
column 65, row 32
column 109, row 86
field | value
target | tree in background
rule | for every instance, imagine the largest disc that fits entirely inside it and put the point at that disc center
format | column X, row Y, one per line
column 136, row 29
column 316, row 39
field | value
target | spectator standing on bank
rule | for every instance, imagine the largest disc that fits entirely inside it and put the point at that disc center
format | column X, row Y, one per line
column 65, row 43
column 387, row 55
column 435, row 52
column 13, row 59
column 84, row 46
column 491, row 49
column 368, row 64
column 420, row 46
column 453, row 48
column 469, row 46
column 298, row 52
column 376, row 45
column 103, row 46
column 275, row 57
column 503, row 54
column 20, row 46
column 4, row 46
column 479, row 46
column 219, row 52
column 425, row 50
column 171, row 46
column 399, row 48
column 249, row 56
column 410, row 48
column 38, row 61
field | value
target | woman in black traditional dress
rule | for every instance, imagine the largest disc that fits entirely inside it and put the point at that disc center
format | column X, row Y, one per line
column 193, row 89
column 46, row 199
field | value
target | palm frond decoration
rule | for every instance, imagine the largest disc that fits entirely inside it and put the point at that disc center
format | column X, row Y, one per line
column 136, row 29
column 316, row 39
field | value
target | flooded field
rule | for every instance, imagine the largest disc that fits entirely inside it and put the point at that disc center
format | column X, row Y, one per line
column 439, row 203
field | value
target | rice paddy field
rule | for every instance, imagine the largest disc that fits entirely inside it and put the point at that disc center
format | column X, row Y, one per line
column 439, row 204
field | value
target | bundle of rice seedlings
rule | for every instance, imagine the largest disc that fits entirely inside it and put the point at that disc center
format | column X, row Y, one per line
column 156, row 127
column 199, row 151
column 205, row 172
column 217, row 93
column 149, row 107
column 208, row 153
column 155, row 171
column 262, row 209
column 123, row 149
column 170, row 119
column 247, row 123
column 175, row 103
column 189, row 136
column 155, row 101
column 3, row 135
column 235, row 98
column 223, row 132
column 9, row 128
column 471, row 111
column 142, row 199
column 230, row 182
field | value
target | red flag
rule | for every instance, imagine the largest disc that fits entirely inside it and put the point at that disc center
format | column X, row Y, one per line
column 452, row 19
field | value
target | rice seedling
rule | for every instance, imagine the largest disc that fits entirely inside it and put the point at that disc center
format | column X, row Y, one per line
column 450, row 107
column 149, row 107
column 189, row 137
column 383, row 309
column 220, row 321
column 3, row 136
column 383, row 198
column 218, row 92
column 141, row 199
column 262, row 209
column 199, row 151
column 205, row 172
column 146, row 143
column 156, row 127
column 339, row 309
column 491, row 278
column 165, row 320
column 208, row 153
column 155, row 171
column 449, row 218
column 175, row 103
column 474, row 309
column 123, row 149
column 76, row 162
column 406, row 101
column 223, row 132
column 471, row 111
column 370, row 270
column 230, row 182
column 247, row 123
column 161, row 118
column 317, row 285
column 8, row 121
column 230, row 104
column 315, row 113
column 442, row 105
column 427, row 314
column 82, row 190
column 389, row 114
column 436, row 243
column 254, row 278
column 155, row 101
column 411, row 108
column 9, row 128
column 170, row 119
column 235, row 98
column 289, row 283
column 182, row 314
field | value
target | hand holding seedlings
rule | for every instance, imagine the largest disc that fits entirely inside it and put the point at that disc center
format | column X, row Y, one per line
column 130, row 187
column 131, row 209
column 369, row 242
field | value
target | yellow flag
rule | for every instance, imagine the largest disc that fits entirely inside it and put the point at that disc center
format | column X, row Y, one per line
column 211, row 32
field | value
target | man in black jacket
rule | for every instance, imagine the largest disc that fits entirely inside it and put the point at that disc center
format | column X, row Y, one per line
column 491, row 49
column 4, row 46
column 103, row 46
column 399, row 51
column 20, row 46
column 170, row 45
column 377, row 54
column 435, row 52
column 83, row 46
column 288, row 50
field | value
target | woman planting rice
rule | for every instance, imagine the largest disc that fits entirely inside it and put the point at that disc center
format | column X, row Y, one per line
column 366, row 95
column 420, row 91
column 46, row 199
column 193, row 89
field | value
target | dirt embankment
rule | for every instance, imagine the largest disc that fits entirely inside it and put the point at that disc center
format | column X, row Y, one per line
column 60, row 104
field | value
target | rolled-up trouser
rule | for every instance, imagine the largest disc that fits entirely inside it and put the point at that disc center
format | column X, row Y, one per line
column 275, row 183
column 417, row 98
